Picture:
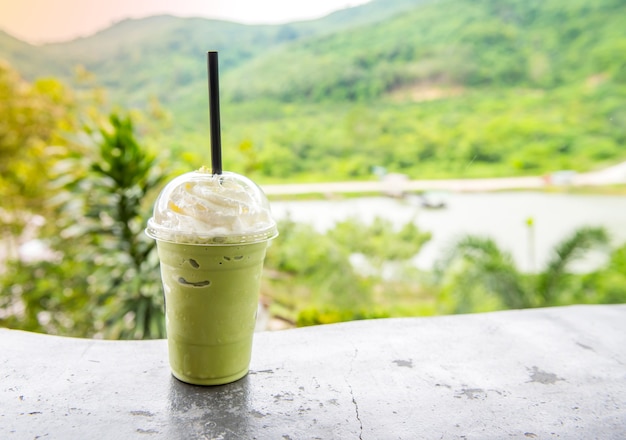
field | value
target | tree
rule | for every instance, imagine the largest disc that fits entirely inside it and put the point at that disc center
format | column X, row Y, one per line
column 607, row 285
column 114, row 191
column 475, row 272
column 379, row 241
column 104, row 280
column 314, row 280
column 32, row 116
column 552, row 280
column 317, row 269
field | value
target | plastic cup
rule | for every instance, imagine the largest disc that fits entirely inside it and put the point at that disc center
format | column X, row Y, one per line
column 212, row 232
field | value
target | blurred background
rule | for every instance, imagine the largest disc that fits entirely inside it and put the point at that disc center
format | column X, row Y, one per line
column 101, row 103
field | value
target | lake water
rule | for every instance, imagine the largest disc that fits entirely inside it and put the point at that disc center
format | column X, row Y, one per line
column 501, row 216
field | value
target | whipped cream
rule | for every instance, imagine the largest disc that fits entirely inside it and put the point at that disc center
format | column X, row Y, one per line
column 204, row 208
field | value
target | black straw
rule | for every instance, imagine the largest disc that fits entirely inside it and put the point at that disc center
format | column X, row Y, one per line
column 214, row 112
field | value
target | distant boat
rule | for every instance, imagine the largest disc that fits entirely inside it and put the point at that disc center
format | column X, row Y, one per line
column 434, row 199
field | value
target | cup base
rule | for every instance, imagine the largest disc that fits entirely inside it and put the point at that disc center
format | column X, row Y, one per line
column 213, row 381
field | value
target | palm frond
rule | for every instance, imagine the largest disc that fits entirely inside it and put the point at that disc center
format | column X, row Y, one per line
column 570, row 249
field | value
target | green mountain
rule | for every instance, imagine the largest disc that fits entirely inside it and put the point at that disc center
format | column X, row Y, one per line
column 357, row 53
column 501, row 43
column 161, row 54
column 425, row 87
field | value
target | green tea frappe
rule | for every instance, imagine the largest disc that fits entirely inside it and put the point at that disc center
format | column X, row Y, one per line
column 212, row 231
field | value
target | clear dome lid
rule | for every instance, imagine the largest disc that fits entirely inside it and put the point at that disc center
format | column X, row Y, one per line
column 204, row 208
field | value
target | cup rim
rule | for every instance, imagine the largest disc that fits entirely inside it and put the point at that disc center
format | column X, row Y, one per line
column 159, row 234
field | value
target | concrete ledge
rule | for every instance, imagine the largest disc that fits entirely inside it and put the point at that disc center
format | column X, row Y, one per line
column 544, row 373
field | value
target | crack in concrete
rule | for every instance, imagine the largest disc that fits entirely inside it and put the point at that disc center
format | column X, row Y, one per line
column 354, row 402
column 356, row 410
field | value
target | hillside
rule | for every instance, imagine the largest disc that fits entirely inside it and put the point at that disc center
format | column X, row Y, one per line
column 357, row 53
column 454, row 88
column 31, row 61
column 494, row 43
column 136, row 58
column 428, row 88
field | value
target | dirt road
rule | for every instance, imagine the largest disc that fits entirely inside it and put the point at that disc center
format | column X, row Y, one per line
column 396, row 184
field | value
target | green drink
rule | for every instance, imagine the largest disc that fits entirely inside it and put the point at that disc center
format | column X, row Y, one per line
column 212, row 233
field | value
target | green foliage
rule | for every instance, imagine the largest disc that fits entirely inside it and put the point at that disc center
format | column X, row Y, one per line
column 476, row 275
column 607, row 285
column 30, row 118
column 474, row 134
column 553, row 279
column 379, row 241
column 311, row 279
column 49, row 296
column 513, row 43
column 320, row 265
column 477, row 271
column 314, row 316
column 506, row 89
column 105, row 279
column 115, row 189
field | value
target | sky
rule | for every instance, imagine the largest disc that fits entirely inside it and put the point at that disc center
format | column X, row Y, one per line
column 46, row 21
